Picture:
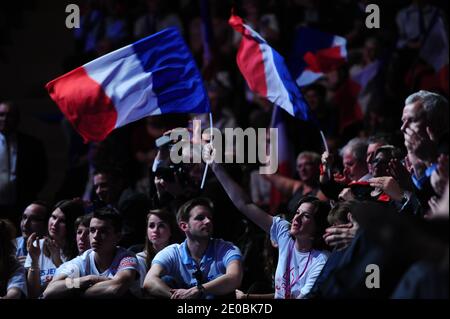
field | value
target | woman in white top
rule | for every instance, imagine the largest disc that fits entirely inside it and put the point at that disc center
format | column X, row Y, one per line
column 301, row 254
column 46, row 254
column 162, row 230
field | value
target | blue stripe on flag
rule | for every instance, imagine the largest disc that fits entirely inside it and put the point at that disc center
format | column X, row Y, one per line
column 176, row 79
column 301, row 109
column 306, row 40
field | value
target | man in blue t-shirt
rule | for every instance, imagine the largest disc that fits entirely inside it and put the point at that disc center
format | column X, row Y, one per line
column 200, row 267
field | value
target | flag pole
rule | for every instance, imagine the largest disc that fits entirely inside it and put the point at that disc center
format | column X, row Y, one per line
column 205, row 172
column 325, row 144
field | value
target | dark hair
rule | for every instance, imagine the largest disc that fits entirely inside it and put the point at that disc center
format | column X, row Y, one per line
column 7, row 251
column 320, row 219
column 185, row 209
column 391, row 151
column 318, row 88
column 72, row 209
column 14, row 109
column 84, row 220
column 169, row 218
column 111, row 214
column 338, row 214
column 378, row 139
column 115, row 174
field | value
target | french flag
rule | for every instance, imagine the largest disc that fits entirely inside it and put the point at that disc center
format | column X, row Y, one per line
column 285, row 157
column 155, row 75
column 315, row 53
column 265, row 71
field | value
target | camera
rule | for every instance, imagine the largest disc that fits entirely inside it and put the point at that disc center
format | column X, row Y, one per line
column 363, row 191
column 167, row 173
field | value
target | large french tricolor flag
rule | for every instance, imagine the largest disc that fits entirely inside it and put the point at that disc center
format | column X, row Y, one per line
column 265, row 71
column 314, row 54
column 155, row 75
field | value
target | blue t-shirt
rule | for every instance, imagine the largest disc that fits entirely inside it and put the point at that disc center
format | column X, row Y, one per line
column 18, row 279
column 180, row 266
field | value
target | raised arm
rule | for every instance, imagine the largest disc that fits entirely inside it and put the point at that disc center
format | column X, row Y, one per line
column 112, row 288
column 153, row 284
column 241, row 200
column 33, row 269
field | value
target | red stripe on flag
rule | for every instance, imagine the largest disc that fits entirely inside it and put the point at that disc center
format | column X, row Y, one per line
column 250, row 58
column 84, row 103
column 325, row 60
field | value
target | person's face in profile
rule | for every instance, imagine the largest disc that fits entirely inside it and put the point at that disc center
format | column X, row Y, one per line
column 303, row 223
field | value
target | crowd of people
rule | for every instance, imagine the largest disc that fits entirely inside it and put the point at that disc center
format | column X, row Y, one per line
column 130, row 223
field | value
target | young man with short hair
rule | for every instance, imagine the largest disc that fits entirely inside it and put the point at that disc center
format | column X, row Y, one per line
column 105, row 270
column 201, row 266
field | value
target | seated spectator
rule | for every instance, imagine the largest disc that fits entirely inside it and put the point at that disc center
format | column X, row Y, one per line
column 105, row 270
column 111, row 189
column 354, row 155
column 48, row 253
column 13, row 283
column 34, row 220
column 200, row 267
column 82, row 233
column 162, row 230
column 425, row 126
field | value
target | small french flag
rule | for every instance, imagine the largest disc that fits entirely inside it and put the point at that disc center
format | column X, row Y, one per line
column 265, row 71
column 314, row 54
column 155, row 75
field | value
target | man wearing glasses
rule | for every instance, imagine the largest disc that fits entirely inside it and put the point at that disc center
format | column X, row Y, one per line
column 199, row 268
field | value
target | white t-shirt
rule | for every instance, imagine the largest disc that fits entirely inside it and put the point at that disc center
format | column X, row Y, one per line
column 84, row 264
column 143, row 269
column 304, row 268
column 46, row 266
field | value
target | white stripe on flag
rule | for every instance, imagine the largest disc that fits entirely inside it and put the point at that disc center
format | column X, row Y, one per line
column 126, row 83
column 276, row 91
column 307, row 77
column 342, row 43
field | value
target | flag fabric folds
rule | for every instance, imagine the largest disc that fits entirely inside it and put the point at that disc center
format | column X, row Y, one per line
column 315, row 53
column 265, row 71
column 285, row 158
column 155, row 75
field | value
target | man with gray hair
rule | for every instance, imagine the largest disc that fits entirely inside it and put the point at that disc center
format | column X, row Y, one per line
column 354, row 155
column 425, row 124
